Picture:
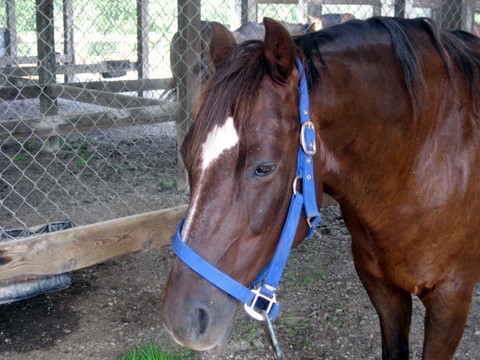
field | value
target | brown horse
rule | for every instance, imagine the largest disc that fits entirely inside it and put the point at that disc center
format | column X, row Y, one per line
column 395, row 104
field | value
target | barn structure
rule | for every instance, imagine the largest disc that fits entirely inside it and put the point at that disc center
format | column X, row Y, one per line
column 91, row 115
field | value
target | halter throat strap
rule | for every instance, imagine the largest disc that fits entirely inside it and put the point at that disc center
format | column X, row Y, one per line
column 260, row 299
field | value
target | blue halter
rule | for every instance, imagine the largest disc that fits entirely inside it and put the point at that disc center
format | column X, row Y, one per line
column 261, row 297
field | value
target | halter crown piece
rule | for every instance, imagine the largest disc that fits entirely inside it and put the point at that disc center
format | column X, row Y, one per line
column 260, row 300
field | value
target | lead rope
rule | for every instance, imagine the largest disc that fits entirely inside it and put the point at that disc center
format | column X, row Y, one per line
column 270, row 333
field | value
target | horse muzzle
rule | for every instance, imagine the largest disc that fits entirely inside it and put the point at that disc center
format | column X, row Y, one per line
column 198, row 316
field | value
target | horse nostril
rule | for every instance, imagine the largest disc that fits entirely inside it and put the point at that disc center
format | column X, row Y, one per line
column 201, row 321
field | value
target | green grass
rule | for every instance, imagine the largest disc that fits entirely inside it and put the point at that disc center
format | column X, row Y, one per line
column 83, row 150
column 166, row 183
column 20, row 157
column 150, row 351
column 32, row 145
column 85, row 156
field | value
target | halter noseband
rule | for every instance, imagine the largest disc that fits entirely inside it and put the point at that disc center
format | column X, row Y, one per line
column 260, row 299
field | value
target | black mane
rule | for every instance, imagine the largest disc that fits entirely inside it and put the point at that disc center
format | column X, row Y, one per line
column 455, row 48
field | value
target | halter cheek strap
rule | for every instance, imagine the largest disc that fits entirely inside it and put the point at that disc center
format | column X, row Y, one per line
column 260, row 299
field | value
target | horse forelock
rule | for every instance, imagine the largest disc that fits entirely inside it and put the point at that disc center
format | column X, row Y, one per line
column 231, row 93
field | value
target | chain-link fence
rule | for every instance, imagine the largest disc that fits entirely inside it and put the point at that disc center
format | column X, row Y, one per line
column 92, row 91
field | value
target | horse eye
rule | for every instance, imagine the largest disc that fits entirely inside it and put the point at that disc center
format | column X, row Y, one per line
column 264, row 170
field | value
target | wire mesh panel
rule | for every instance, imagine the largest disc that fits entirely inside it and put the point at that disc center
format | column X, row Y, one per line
column 87, row 123
column 95, row 94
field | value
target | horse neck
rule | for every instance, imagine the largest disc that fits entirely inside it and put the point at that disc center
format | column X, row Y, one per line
column 375, row 151
column 365, row 143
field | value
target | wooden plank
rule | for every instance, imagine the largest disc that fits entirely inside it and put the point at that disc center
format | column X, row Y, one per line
column 128, row 85
column 89, row 68
column 83, row 122
column 16, row 60
column 61, row 69
column 102, row 98
column 81, row 247
column 25, row 60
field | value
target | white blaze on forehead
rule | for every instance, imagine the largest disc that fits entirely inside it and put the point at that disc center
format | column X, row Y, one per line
column 220, row 139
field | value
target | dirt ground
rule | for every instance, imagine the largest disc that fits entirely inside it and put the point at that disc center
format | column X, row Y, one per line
column 112, row 306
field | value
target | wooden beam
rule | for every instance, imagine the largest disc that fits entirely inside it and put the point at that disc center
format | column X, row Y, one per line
column 25, row 60
column 128, row 85
column 9, row 93
column 16, row 60
column 77, row 248
column 89, row 68
column 83, row 122
column 61, row 69
column 102, row 98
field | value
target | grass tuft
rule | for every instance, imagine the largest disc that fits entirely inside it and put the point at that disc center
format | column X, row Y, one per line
column 150, row 351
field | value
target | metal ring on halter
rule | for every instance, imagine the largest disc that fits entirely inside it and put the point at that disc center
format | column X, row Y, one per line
column 254, row 309
column 294, row 185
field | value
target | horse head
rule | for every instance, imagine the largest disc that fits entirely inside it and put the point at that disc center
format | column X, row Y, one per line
column 241, row 156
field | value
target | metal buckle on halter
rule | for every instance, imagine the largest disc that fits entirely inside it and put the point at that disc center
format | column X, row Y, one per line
column 310, row 148
column 260, row 303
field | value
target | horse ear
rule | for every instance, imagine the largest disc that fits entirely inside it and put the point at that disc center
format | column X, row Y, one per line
column 221, row 43
column 279, row 50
